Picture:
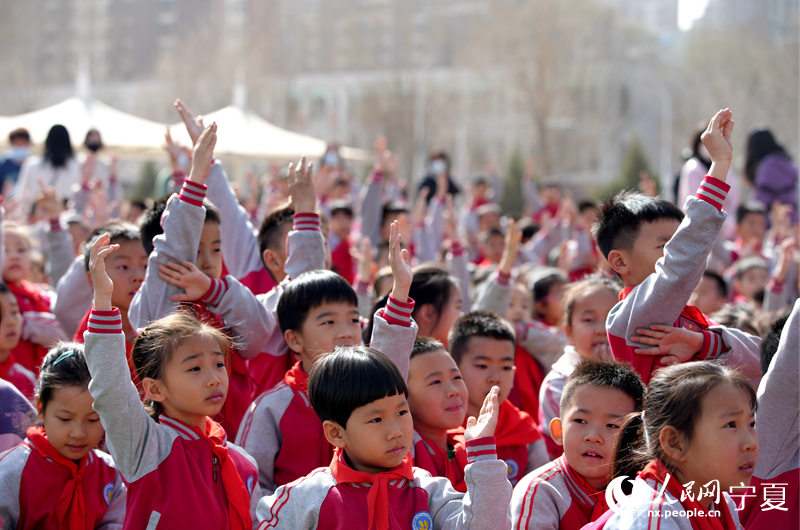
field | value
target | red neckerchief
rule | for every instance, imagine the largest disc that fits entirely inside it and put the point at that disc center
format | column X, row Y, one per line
column 591, row 511
column 29, row 296
column 378, row 497
column 70, row 507
column 235, row 490
column 297, row 378
column 6, row 366
column 656, row 470
column 515, row 427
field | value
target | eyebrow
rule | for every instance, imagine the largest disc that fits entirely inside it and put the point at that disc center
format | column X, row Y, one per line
column 120, row 256
column 191, row 357
column 732, row 412
column 433, row 374
column 487, row 358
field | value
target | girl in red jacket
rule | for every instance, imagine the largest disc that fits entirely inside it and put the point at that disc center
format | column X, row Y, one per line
column 180, row 470
column 56, row 479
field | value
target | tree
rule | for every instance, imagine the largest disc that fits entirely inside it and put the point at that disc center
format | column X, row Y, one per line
column 513, row 199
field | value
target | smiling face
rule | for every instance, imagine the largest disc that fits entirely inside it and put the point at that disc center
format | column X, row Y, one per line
column 195, row 381
column 437, row 395
column 10, row 325
column 326, row 326
column 724, row 445
column 17, row 265
column 639, row 261
column 588, row 429
column 487, row 362
column 73, row 427
column 209, row 253
column 378, row 435
column 587, row 327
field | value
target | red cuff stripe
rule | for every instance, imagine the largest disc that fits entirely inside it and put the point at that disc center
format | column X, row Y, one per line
column 362, row 288
column 105, row 321
column 456, row 249
column 713, row 191
column 306, row 221
column 55, row 225
column 193, row 193
column 503, row 279
column 376, row 177
column 398, row 313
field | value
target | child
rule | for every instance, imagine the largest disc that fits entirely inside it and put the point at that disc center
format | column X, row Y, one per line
column 180, row 470
column 547, row 286
column 340, row 226
column 697, row 429
column 634, row 233
column 438, row 300
column 492, row 248
column 569, row 492
column 318, row 312
column 710, row 294
column 521, row 306
column 10, row 331
column 56, row 478
column 586, row 306
column 437, row 400
column 186, row 257
column 360, row 396
column 483, row 346
column 16, row 413
column 752, row 277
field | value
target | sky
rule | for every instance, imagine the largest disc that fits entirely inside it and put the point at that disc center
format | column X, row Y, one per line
column 688, row 11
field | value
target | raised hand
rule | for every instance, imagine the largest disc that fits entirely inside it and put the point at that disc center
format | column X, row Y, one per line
column 399, row 262
column 788, row 248
column 717, row 139
column 87, row 169
column 302, row 190
column 451, row 220
column 101, row 283
column 194, row 282
column 677, row 345
column 486, row 423
column 203, row 154
column 420, row 207
column 49, row 201
column 194, row 125
column 513, row 240
column 365, row 261
column 174, row 150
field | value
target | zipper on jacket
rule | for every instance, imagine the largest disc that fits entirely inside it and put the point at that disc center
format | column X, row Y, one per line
column 214, row 463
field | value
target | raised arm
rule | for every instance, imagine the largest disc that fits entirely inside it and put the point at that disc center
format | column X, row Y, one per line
column 496, row 296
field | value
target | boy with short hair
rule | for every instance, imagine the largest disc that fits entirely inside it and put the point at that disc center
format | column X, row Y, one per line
column 318, row 312
column 569, row 492
column 360, row 396
column 341, row 224
column 711, row 293
column 483, row 346
column 660, row 258
column 752, row 277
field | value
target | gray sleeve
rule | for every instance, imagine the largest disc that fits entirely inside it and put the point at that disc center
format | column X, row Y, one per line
column 538, row 506
column 239, row 236
column 777, row 420
column 137, row 443
column 183, row 225
column 115, row 195
column 81, row 200
column 483, row 507
column 260, row 434
column 458, row 268
column 394, row 341
column 300, row 509
column 537, row 455
column 494, row 297
column 372, row 210
column 114, row 517
column 743, row 351
column 661, row 297
column 428, row 240
column 12, row 464
column 541, row 343
column 252, row 324
column 61, row 254
column 306, row 252
column 73, row 297
column 531, row 193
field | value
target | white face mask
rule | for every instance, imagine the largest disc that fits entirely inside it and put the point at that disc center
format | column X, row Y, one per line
column 438, row 166
column 19, row 153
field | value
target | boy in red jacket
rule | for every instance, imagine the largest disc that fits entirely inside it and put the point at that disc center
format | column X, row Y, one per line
column 483, row 345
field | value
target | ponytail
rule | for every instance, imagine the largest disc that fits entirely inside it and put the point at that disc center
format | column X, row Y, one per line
column 630, row 450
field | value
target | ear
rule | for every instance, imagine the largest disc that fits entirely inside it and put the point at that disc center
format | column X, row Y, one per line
column 154, row 389
column 39, row 408
column 294, row 340
column 556, row 432
column 737, row 286
column 618, row 261
column 271, row 261
column 568, row 331
column 89, row 279
column 426, row 315
column 673, row 444
column 334, row 433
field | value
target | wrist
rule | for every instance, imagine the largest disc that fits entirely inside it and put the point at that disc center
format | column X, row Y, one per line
column 400, row 293
column 719, row 169
column 102, row 303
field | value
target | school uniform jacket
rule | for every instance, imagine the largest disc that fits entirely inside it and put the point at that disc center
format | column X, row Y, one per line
column 16, row 414
column 661, row 298
column 428, row 456
column 19, row 376
column 556, row 497
column 32, row 483
column 778, row 427
column 319, row 502
column 550, row 395
column 280, row 429
column 172, row 474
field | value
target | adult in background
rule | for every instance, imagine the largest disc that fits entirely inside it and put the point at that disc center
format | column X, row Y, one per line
column 11, row 163
column 58, row 169
column 770, row 171
column 438, row 163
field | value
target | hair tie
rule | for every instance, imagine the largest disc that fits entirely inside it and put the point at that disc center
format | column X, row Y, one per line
column 143, row 332
column 63, row 356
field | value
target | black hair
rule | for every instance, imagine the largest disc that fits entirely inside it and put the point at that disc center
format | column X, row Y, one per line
column 343, row 208
column 760, row 144
column 674, row 398
column 309, row 291
column 541, row 283
column 735, row 316
column 770, row 342
column 88, row 134
column 57, row 146
column 586, row 205
column 622, row 215
column 721, row 284
column 612, row 374
column 63, row 366
column 433, row 284
column 19, row 134
column 151, row 223
column 116, row 230
column 392, row 207
column 576, row 290
column 426, row 345
column 492, row 232
column 749, row 207
column 349, row 378
column 269, row 235
column 477, row 324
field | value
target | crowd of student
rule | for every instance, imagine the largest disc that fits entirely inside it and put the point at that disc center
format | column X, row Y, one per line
column 356, row 362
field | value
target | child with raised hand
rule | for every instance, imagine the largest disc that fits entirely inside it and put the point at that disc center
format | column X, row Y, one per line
column 361, row 398
column 569, row 492
column 185, row 267
column 660, row 258
column 178, row 459
column 586, row 305
column 318, row 312
column 57, row 478
column 694, row 443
